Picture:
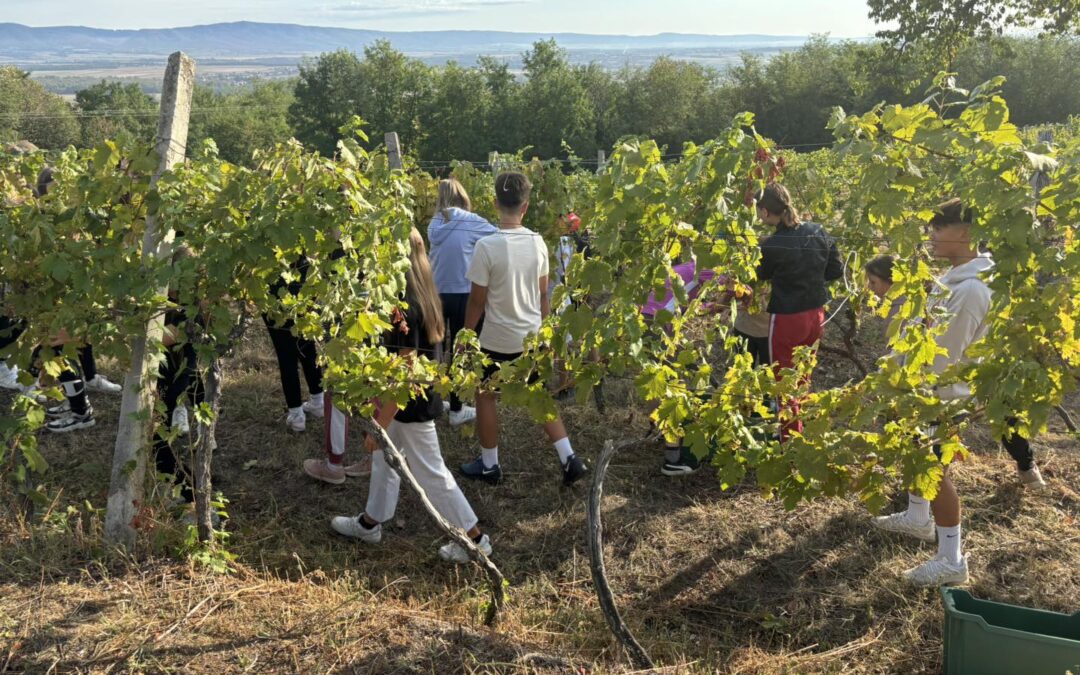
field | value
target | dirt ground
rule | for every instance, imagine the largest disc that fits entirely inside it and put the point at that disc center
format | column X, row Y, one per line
column 710, row 581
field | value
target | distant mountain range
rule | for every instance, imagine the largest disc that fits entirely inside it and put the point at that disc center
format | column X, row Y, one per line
column 27, row 45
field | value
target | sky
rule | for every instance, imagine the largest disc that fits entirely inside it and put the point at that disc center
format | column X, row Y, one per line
column 839, row 18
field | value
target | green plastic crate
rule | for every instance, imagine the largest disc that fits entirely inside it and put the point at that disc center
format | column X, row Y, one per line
column 992, row 638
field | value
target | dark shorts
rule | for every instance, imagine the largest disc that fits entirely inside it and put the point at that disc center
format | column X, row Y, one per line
column 499, row 358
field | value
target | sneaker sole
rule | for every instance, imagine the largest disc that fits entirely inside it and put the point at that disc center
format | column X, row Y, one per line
column 73, row 427
column 324, row 479
column 483, row 479
column 921, row 537
column 357, row 474
column 677, row 472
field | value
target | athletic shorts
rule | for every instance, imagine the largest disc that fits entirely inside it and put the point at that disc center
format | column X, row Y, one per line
column 499, row 358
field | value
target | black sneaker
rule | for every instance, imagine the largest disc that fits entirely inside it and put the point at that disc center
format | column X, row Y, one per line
column 686, row 464
column 573, row 470
column 72, row 422
column 62, row 409
column 477, row 471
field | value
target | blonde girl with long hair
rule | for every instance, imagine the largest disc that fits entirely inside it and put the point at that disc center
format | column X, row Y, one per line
column 412, row 428
column 453, row 233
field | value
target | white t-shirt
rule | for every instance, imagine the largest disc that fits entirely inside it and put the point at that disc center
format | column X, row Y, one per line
column 509, row 264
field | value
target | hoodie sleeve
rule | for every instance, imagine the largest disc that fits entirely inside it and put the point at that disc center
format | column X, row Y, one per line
column 767, row 265
column 437, row 230
column 967, row 309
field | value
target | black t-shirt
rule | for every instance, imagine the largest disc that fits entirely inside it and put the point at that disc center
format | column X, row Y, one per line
column 409, row 333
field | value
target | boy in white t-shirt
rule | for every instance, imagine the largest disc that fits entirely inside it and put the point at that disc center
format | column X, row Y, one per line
column 509, row 275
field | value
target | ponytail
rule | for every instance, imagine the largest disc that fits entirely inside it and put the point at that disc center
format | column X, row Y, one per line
column 776, row 200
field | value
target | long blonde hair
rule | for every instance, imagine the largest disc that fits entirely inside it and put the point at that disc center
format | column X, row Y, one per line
column 420, row 288
column 452, row 194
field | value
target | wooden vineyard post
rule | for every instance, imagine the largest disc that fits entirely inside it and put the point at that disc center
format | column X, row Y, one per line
column 601, row 161
column 393, row 150
column 129, row 456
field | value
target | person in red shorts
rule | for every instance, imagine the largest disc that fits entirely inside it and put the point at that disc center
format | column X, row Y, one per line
column 799, row 259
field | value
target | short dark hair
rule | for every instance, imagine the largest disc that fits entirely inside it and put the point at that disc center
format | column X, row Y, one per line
column 512, row 189
column 951, row 212
column 44, row 180
column 881, row 267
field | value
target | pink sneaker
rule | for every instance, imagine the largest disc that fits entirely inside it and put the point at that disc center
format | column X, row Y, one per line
column 359, row 469
column 320, row 469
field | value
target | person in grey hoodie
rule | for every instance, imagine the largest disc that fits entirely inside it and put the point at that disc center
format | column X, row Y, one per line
column 965, row 299
column 453, row 234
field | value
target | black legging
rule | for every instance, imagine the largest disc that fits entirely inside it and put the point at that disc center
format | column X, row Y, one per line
column 454, row 305
column 87, row 363
column 292, row 351
column 177, row 376
column 1018, row 447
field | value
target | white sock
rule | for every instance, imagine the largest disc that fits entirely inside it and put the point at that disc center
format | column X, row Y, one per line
column 562, row 446
column 948, row 542
column 490, row 456
column 918, row 509
column 317, row 399
column 296, row 411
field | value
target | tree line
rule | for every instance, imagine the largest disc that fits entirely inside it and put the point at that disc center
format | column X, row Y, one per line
column 552, row 106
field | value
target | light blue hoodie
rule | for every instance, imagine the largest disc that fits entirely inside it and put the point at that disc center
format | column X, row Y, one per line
column 452, row 245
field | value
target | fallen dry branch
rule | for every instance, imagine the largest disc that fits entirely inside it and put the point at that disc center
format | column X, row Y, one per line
column 595, row 536
column 398, row 463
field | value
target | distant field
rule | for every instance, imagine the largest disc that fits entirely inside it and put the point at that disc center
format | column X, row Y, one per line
column 71, row 75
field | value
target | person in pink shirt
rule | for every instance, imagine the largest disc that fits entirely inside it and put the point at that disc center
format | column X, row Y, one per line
column 679, row 460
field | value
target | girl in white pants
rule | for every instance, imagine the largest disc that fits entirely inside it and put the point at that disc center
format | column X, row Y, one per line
column 412, row 428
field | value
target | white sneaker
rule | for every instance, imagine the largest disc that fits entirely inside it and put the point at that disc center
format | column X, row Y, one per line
column 1032, row 479
column 938, row 572
column 313, row 408
column 899, row 522
column 101, row 383
column 459, row 417
column 350, row 527
column 9, row 377
column 296, row 420
column 72, row 422
column 455, row 553
column 180, row 420
column 33, row 391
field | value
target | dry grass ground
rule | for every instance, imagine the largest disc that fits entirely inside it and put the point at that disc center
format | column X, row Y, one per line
column 710, row 581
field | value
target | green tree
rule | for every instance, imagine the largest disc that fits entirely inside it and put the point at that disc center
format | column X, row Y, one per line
column 455, row 120
column 255, row 118
column 114, row 110
column 28, row 112
column 553, row 104
column 394, row 90
column 664, row 101
column 503, row 132
column 326, row 97
column 946, row 25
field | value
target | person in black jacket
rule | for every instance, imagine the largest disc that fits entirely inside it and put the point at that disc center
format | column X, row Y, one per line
column 799, row 259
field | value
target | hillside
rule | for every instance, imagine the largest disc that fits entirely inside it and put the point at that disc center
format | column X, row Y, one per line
column 24, row 44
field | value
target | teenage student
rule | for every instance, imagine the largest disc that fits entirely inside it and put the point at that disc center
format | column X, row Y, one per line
column 295, row 352
column 509, row 275
column 965, row 298
column 453, row 234
column 679, row 460
column 412, row 428
column 800, row 259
